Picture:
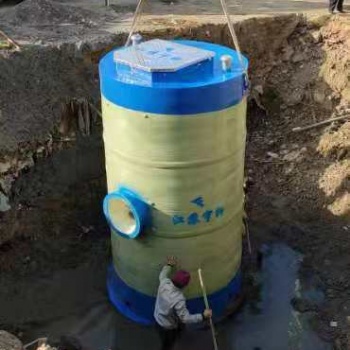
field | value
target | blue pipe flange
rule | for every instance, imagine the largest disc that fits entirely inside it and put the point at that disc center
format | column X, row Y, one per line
column 126, row 212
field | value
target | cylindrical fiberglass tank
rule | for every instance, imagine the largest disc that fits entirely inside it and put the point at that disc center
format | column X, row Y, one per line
column 174, row 134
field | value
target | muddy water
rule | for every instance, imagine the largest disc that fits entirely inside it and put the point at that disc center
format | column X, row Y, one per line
column 277, row 325
column 272, row 325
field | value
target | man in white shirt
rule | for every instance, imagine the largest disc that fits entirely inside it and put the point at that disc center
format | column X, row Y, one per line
column 170, row 311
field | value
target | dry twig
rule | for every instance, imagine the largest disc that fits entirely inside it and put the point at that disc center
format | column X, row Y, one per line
column 10, row 41
column 324, row 122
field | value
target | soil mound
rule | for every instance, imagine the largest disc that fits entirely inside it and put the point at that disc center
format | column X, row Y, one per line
column 43, row 12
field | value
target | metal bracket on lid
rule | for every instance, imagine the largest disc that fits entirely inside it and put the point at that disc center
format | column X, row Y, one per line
column 161, row 56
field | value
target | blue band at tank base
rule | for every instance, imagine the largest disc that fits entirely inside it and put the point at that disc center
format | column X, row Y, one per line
column 139, row 307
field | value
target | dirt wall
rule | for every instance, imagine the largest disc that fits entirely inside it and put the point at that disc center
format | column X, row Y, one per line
column 52, row 163
column 49, row 115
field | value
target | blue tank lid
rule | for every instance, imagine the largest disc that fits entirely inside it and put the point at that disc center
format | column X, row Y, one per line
column 173, row 77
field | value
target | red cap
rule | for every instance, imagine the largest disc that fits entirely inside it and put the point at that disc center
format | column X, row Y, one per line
column 181, row 278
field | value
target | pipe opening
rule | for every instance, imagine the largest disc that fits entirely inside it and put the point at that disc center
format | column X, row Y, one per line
column 121, row 216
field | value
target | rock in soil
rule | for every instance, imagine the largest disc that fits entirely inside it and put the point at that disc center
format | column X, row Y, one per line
column 9, row 342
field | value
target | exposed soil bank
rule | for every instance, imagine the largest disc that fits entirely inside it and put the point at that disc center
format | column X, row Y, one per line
column 52, row 167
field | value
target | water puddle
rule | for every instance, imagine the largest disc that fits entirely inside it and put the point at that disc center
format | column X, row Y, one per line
column 277, row 325
column 272, row 325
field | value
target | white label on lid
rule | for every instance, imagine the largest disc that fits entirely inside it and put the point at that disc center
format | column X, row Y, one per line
column 161, row 56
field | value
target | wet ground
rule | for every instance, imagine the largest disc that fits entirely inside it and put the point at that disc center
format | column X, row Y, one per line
column 267, row 322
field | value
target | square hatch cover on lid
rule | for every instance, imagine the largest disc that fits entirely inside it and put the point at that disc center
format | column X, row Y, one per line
column 161, row 56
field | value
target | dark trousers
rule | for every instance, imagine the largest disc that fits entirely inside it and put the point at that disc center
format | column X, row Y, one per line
column 168, row 337
column 336, row 5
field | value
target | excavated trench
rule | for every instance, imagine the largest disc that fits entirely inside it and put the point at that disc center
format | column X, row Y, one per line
column 54, row 241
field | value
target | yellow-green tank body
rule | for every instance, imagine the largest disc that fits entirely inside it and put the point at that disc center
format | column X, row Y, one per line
column 187, row 172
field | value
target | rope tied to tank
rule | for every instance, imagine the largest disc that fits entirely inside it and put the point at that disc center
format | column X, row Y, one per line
column 138, row 13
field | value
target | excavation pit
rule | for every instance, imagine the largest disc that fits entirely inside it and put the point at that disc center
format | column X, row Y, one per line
column 54, row 240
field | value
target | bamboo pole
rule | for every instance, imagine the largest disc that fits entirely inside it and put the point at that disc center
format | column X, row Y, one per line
column 206, row 303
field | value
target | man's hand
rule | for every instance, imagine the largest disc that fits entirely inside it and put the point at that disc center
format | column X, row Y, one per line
column 207, row 314
column 171, row 261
